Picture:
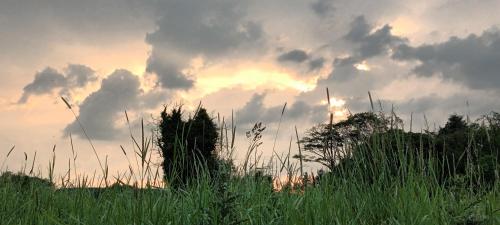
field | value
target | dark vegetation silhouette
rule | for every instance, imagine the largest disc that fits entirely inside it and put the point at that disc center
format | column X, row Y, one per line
column 23, row 181
column 187, row 146
column 328, row 143
column 376, row 173
column 461, row 151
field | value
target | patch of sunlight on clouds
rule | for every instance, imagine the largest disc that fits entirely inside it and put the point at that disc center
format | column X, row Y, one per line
column 410, row 26
column 363, row 66
column 253, row 78
column 138, row 69
column 334, row 102
column 337, row 108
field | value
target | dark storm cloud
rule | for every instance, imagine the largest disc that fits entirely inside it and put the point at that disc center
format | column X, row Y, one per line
column 99, row 112
column 49, row 79
column 472, row 61
column 322, row 7
column 255, row 111
column 296, row 56
column 191, row 28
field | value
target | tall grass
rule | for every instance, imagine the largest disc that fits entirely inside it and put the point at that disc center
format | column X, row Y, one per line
column 358, row 194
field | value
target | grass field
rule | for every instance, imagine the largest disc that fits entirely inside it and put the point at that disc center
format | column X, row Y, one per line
column 411, row 195
column 250, row 201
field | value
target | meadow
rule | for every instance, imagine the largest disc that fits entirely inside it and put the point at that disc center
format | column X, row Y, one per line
column 359, row 188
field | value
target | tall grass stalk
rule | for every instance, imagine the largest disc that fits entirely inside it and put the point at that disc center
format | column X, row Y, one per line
column 85, row 133
column 6, row 157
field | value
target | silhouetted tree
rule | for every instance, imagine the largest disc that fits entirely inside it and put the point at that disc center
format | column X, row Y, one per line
column 328, row 143
column 452, row 145
column 370, row 147
column 202, row 138
column 187, row 147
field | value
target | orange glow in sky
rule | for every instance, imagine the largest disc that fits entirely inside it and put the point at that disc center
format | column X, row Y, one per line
column 251, row 77
column 404, row 26
column 363, row 66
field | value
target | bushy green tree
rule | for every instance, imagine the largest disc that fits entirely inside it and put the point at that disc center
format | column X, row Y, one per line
column 187, row 146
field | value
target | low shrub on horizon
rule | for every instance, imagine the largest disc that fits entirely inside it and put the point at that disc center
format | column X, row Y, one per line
column 23, row 181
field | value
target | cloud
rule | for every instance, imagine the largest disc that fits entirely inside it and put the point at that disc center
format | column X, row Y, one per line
column 371, row 43
column 316, row 64
column 359, row 29
column 170, row 75
column 113, row 18
column 351, row 75
column 192, row 28
column 255, row 111
column 344, row 70
column 349, row 81
column 79, row 75
column 472, row 61
column 33, row 31
column 322, row 7
column 474, row 104
column 99, row 112
column 296, row 56
column 49, row 79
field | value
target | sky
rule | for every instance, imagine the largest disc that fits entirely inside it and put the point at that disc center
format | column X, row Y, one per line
column 248, row 58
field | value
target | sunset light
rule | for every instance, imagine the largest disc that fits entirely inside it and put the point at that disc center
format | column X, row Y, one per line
column 336, row 108
column 253, row 79
column 363, row 66
column 280, row 112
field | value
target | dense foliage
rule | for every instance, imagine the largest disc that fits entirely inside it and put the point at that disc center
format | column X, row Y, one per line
column 187, row 146
column 459, row 150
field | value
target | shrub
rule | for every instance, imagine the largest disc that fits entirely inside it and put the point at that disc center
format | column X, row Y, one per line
column 23, row 182
column 187, row 146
